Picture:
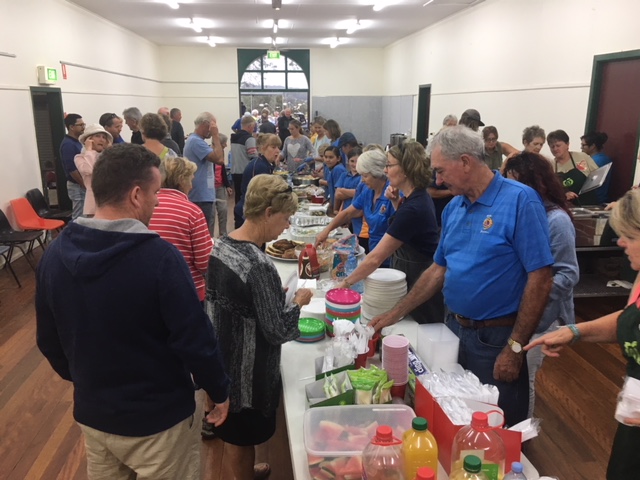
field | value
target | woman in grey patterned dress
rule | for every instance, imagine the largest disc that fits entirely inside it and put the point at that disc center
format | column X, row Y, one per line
column 247, row 305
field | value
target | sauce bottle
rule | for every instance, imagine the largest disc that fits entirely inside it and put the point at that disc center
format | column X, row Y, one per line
column 308, row 266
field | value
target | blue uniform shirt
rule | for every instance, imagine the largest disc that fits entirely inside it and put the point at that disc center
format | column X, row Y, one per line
column 197, row 150
column 376, row 214
column 332, row 175
column 69, row 148
column 351, row 181
column 490, row 246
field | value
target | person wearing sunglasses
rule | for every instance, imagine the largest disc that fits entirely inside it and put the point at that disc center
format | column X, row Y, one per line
column 112, row 123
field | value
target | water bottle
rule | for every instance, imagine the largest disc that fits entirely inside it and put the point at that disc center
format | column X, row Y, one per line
column 419, row 448
column 471, row 470
column 349, row 268
column 482, row 438
column 425, row 473
column 382, row 458
column 516, row 472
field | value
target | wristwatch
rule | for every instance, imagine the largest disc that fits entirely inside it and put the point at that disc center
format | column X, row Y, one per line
column 516, row 347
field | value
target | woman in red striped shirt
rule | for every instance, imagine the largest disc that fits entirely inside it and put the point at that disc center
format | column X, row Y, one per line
column 181, row 222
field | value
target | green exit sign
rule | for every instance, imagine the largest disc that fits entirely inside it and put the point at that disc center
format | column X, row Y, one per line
column 273, row 54
column 52, row 74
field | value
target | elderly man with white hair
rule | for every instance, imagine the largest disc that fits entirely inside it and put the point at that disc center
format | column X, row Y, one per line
column 204, row 156
column 132, row 117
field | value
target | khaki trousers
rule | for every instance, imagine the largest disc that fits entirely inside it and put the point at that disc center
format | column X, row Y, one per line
column 173, row 454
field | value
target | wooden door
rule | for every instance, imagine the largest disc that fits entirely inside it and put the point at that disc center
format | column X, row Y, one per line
column 614, row 108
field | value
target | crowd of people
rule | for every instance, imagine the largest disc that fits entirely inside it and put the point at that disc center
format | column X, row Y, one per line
column 482, row 230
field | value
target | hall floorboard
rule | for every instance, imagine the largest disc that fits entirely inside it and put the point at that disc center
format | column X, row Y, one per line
column 576, row 396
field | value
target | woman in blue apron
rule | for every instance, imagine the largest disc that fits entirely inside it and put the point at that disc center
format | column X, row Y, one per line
column 412, row 235
column 622, row 327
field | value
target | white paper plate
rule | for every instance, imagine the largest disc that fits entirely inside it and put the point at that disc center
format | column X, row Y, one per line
column 386, row 275
column 292, row 284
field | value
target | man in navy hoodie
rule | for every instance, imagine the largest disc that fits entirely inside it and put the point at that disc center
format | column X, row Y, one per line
column 135, row 338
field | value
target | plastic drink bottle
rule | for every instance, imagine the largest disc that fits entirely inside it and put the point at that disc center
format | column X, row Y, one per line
column 308, row 266
column 471, row 470
column 516, row 472
column 419, row 448
column 425, row 473
column 382, row 458
column 481, row 440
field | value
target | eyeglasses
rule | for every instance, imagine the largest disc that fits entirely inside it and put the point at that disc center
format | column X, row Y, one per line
column 389, row 165
column 492, row 139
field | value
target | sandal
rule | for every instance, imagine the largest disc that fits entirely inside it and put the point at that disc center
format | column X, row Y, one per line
column 261, row 471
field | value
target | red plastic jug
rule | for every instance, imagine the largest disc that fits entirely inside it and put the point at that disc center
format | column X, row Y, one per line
column 308, row 266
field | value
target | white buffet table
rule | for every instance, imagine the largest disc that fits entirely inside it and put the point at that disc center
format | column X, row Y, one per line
column 298, row 369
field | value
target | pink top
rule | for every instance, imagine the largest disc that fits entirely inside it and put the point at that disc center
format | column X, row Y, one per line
column 182, row 223
column 84, row 163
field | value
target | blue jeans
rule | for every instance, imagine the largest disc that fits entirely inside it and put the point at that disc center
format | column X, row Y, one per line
column 478, row 352
column 76, row 194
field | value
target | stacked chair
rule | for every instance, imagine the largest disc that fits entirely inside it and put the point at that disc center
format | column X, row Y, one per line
column 39, row 204
column 12, row 239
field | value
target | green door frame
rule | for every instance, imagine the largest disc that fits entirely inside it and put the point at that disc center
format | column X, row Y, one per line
column 424, row 103
column 599, row 62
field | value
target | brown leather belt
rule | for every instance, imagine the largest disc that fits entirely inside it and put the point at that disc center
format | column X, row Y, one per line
column 508, row 321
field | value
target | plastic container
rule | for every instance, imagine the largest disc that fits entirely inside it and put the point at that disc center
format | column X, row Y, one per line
column 516, row 472
column 334, row 437
column 425, row 473
column 471, row 469
column 382, row 458
column 481, row 440
column 437, row 345
column 419, row 448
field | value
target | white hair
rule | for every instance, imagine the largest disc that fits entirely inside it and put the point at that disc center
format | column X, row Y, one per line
column 457, row 141
column 204, row 117
column 372, row 163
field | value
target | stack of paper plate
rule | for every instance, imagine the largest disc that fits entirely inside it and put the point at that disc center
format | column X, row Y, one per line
column 382, row 290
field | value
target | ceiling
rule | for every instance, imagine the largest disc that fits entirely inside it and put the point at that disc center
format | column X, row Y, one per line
column 249, row 23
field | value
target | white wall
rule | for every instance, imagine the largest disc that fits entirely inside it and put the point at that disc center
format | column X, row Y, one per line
column 46, row 32
column 519, row 62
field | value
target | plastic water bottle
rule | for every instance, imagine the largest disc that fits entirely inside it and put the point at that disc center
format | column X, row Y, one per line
column 471, row 470
column 482, row 438
column 419, row 448
column 425, row 473
column 349, row 268
column 382, row 458
column 516, row 472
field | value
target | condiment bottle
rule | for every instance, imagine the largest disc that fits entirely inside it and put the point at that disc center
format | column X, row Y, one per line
column 308, row 266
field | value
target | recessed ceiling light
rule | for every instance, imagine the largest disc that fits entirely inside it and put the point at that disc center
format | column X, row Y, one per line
column 172, row 4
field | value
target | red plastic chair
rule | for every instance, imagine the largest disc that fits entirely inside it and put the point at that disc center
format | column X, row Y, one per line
column 27, row 218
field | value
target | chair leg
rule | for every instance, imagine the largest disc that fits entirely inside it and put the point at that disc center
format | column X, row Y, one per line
column 26, row 256
column 40, row 242
column 7, row 263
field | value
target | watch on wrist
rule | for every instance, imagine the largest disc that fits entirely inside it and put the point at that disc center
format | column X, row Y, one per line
column 516, row 347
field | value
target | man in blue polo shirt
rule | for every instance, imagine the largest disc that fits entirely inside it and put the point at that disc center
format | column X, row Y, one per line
column 69, row 148
column 494, row 262
column 204, row 156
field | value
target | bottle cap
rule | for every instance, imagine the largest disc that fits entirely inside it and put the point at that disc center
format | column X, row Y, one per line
column 420, row 424
column 425, row 473
column 472, row 464
column 516, row 467
column 384, row 433
column 480, row 421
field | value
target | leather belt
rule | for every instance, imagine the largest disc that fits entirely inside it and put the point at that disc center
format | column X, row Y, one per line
column 508, row 321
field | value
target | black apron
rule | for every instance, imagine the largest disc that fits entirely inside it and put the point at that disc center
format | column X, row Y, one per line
column 410, row 261
column 624, row 462
column 573, row 180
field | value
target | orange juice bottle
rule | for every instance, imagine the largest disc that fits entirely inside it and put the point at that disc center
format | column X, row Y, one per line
column 419, row 448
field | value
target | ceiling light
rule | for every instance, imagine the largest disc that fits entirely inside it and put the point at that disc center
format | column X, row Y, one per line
column 172, row 4
column 277, row 4
column 275, row 26
column 380, row 4
column 428, row 2
column 335, row 42
column 195, row 27
column 353, row 27
column 211, row 42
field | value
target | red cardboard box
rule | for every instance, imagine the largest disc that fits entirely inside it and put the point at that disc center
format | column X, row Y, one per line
column 445, row 431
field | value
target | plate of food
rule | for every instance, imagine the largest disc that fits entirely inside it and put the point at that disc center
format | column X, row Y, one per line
column 283, row 249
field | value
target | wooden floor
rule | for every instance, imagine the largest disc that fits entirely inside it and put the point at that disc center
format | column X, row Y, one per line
column 39, row 440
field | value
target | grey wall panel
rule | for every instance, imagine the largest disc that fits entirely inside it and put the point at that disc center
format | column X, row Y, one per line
column 397, row 116
column 360, row 115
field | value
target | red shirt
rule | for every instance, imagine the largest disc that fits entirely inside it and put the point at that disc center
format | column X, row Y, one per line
column 182, row 223
column 218, row 175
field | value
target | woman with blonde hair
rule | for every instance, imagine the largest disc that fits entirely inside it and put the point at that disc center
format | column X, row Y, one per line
column 181, row 222
column 252, row 319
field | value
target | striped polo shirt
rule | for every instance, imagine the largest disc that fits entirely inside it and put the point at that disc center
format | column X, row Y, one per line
column 182, row 223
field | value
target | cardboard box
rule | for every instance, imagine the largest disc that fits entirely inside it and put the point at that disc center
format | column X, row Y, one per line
column 444, row 430
column 317, row 398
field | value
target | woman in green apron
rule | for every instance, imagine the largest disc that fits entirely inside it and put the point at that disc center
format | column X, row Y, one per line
column 622, row 327
column 573, row 168
column 412, row 236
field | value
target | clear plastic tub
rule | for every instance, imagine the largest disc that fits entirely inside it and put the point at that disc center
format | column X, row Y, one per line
column 334, row 437
column 437, row 345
